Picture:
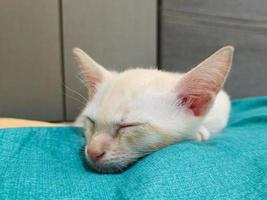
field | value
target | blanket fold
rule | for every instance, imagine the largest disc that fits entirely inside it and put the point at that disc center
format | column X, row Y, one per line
column 47, row 163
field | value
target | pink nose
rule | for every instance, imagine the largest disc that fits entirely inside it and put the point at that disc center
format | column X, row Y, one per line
column 95, row 155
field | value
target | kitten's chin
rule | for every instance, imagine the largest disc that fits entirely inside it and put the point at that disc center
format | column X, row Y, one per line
column 108, row 169
column 105, row 166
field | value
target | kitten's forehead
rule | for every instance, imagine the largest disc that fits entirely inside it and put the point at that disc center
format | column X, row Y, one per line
column 112, row 100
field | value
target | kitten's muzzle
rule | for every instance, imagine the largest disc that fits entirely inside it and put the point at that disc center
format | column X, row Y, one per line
column 103, row 156
column 95, row 154
column 97, row 147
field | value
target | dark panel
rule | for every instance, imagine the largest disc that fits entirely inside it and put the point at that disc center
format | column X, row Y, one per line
column 189, row 35
column 237, row 9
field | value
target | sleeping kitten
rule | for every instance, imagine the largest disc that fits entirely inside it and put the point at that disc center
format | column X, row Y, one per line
column 138, row 111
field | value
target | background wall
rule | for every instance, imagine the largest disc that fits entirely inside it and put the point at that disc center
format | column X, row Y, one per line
column 117, row 34
column 39, row 78
column 30, row 60
column 192, row 30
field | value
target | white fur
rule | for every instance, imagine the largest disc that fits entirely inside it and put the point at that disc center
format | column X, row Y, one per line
column 148, row 97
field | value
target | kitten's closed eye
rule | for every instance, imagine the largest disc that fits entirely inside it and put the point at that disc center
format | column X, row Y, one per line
column 89, row 124
column 122, row 127
column 91, row 120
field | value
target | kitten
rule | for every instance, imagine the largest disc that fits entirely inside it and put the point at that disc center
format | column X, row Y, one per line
column 138, row 111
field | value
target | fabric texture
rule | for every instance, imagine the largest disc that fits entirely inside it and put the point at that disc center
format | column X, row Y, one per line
column 47, row 163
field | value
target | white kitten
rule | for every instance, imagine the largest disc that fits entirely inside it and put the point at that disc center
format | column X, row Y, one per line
column 138, row 111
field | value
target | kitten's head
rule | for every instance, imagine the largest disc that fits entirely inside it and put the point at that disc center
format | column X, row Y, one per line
column 135, row 112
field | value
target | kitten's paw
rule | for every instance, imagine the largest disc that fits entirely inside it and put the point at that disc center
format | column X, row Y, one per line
column 203, row 134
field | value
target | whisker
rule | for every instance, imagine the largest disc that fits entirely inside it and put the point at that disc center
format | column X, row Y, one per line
column 82, row 80
column 119, row 167
column 77, row 93
column 76, row 99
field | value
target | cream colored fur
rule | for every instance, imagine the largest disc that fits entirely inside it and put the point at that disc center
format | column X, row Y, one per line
column 135, row 112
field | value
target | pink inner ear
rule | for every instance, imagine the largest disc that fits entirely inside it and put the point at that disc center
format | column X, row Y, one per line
column 92, row 80
column 196, row 92
column 197, row 103
column 198, row 88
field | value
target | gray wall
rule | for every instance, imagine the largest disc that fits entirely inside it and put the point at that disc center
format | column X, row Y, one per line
column 37, row 37
column 118, row 34
column 191, row 30
column 30, row 77
column 36, row 41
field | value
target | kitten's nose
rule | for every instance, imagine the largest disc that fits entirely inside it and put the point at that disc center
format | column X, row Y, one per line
column 95, row 155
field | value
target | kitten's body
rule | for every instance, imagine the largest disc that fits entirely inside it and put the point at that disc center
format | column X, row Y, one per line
column 141, row 110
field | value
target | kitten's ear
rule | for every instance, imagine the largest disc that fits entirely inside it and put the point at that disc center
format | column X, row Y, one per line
column 199, row 87
column 93, row 72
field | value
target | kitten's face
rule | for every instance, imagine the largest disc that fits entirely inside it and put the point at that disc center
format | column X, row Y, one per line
column 130, row 117
column 136, row 112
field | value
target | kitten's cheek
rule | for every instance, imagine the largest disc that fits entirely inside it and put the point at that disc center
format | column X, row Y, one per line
column 130, row 140
column 88, row 135
column 86, row 154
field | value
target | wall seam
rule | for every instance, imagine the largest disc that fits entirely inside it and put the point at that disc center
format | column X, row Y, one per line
column 61, row 41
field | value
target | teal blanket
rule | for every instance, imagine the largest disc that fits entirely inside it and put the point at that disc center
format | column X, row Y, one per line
column 46, row 163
